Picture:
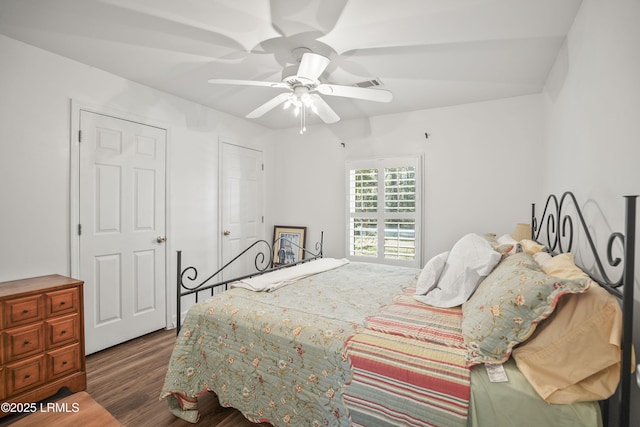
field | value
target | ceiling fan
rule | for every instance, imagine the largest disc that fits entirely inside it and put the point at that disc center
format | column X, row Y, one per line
column 303, row 87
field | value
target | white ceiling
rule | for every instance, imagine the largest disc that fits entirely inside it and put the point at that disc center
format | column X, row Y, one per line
column 428, row 53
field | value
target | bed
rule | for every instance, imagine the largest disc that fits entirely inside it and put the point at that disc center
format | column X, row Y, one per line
column 339, row 343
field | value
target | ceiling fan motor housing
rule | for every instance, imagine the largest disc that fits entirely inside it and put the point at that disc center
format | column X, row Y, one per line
column 290, row 75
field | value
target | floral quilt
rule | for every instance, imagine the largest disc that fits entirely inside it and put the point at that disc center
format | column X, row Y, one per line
column 280, row 357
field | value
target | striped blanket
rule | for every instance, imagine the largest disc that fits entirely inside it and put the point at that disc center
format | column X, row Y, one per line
column 408, row 368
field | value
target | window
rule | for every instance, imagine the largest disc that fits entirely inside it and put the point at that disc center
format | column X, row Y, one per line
column 384, row 211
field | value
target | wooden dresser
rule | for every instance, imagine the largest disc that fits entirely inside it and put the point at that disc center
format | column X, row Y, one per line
column 42, row 338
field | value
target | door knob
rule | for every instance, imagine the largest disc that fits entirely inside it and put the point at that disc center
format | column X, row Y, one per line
column 161, row 239
column 226, row 232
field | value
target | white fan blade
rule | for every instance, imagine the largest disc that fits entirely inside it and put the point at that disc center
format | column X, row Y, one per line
column 311, row 66
column 248, row 83
column 323, row 110
column 378, row 95
column 268, row 106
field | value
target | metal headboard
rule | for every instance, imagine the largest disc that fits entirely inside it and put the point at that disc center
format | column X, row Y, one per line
column 263, row 263
column 557, row 221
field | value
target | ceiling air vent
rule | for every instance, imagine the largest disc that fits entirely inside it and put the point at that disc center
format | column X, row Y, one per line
column 369, row 83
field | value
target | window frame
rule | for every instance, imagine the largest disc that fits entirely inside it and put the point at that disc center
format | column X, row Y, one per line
column 380, row 164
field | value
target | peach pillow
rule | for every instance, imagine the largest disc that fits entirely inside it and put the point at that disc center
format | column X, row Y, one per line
column 531, row 247
column 542, row 258
column 574, row 355
column 563, row 266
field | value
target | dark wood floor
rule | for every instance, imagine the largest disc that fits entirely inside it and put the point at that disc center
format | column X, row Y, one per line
column 127, row 379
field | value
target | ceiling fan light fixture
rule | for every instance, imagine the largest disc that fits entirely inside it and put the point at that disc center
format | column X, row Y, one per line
column 305, row 99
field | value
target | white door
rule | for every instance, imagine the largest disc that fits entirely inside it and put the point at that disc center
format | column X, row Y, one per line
column 242, row 215
column 122, row 228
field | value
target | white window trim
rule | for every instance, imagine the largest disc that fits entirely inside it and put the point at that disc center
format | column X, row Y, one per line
column 380, row 163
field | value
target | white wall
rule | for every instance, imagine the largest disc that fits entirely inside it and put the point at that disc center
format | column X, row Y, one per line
column 482, row 165
column 36, row 88
column 306, row 184
column 592, row 102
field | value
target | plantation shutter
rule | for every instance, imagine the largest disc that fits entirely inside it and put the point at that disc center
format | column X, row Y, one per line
column 384, row 211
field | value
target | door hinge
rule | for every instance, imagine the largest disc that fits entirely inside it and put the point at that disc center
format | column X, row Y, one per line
column 79, row 229
column 263, row 219
column 80, row 135
column 263, row 166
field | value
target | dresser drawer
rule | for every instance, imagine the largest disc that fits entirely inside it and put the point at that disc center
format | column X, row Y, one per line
column 62, row 302
column 22, row 342
column 24, row 375
column 63, row 361
column 63, row 330
column 21, row 311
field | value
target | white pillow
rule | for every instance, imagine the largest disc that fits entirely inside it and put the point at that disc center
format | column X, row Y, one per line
column 506, row 239
column 470, row 260
column 430, row 274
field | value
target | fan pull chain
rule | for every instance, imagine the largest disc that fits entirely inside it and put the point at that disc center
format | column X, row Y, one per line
column 303, row 119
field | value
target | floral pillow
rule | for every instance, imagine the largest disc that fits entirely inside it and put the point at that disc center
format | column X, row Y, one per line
column 508, row 305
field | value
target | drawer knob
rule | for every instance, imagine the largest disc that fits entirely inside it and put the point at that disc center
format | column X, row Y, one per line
column 63, row 332
column 25, row 311
column 26, row 342
column 62, row 303
column 27, row 376
column 64, row 363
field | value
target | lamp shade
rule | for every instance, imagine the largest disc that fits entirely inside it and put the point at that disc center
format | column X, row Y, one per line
column 521, row 232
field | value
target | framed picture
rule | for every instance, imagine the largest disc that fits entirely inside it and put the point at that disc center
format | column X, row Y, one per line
column 287, row 244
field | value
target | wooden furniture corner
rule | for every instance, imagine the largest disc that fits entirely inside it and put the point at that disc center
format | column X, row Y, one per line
column 42, row 336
